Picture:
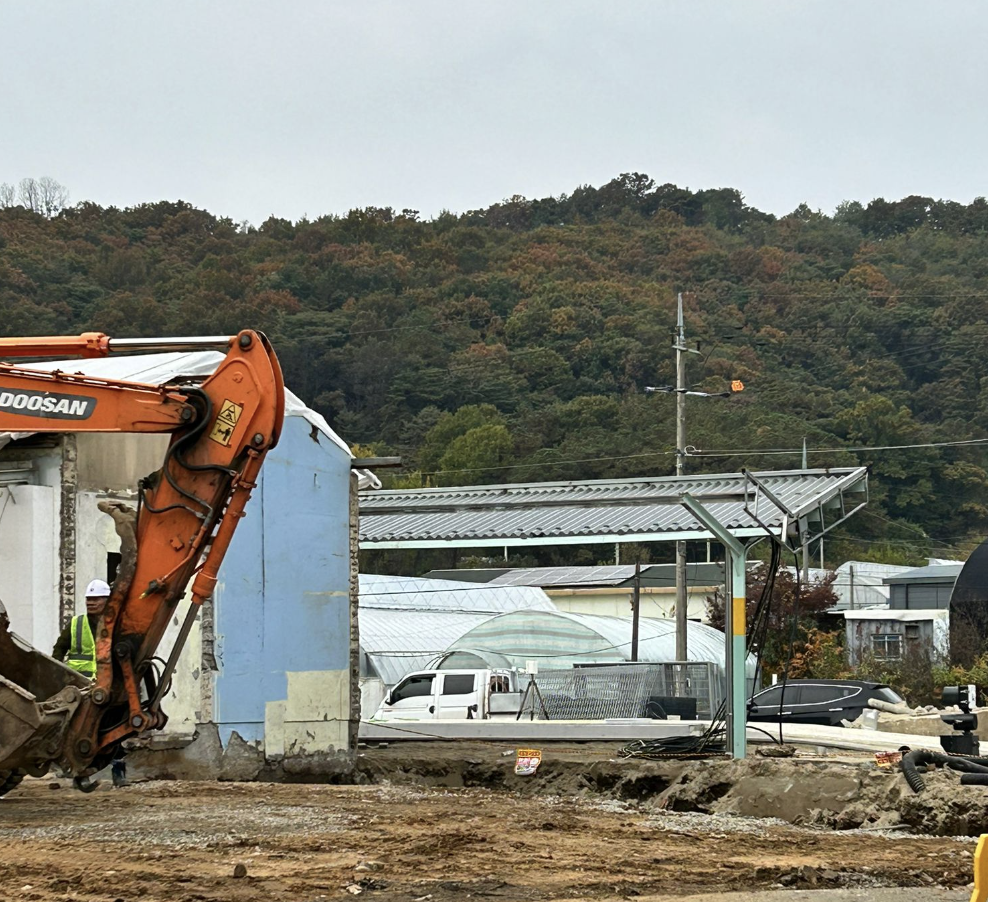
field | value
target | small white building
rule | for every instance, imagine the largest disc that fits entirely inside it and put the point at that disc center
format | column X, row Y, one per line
column 892, row 635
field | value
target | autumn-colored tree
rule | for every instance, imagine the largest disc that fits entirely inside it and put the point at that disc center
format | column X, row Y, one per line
column 791, row 624
column 864, row 329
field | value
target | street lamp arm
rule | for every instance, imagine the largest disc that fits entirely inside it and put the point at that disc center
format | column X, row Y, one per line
column 669, row 390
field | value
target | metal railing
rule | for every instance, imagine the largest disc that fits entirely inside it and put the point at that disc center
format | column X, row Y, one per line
column 625, row 690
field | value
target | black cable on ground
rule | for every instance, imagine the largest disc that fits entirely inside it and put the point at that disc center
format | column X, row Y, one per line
column 792, row 641
column 713, row 741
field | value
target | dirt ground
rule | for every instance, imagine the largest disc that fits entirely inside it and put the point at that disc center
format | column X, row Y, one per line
column 177, row 841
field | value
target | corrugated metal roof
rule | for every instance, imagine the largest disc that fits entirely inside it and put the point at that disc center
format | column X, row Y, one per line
column 605, row 510
column 706, row 574
column 935, row 573
column 565, row 576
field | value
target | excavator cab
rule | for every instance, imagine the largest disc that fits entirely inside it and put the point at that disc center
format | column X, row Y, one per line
column 220, row 429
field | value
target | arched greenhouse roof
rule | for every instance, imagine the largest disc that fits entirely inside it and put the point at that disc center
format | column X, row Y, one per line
column 560, row 639
column 406, row 621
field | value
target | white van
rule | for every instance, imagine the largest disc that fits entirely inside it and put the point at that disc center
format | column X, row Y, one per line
column 452, row 695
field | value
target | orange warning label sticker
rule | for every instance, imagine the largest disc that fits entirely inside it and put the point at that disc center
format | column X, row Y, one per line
column 226, row 422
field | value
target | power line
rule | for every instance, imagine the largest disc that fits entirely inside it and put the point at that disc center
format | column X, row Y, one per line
column 698, row 453
column 536, row 463
column 912, row 526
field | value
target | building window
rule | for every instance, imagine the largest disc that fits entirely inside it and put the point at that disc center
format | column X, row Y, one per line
column 886, row 646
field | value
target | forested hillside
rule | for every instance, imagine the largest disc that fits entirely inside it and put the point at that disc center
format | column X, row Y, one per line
column 514, row 343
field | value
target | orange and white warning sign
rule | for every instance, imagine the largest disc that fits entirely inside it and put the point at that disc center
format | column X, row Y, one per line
column 528, row 761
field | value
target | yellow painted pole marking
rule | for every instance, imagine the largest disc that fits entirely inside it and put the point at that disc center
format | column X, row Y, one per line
column 738, row 613
column 980, row 893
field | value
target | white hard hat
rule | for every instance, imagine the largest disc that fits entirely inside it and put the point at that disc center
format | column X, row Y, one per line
column 97, row 589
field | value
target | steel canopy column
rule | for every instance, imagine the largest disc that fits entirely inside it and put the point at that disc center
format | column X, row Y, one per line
column 734, row 625
column 735, row 628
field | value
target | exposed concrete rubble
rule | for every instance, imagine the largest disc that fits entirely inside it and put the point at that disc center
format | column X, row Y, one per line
column 201, row 756
column 67, row 499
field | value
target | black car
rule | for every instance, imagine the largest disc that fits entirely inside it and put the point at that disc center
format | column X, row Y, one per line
column 826, row 702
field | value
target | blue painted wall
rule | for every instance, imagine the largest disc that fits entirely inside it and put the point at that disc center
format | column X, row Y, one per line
column 282, row 600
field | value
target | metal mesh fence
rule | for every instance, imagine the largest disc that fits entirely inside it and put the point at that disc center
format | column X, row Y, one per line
column 625, row 690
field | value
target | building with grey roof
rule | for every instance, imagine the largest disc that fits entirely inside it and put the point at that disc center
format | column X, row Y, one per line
column 923, row 587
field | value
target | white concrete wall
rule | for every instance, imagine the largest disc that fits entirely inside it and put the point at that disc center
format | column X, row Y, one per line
column 29, row 565
column 95, row 538
column 111, row 461
column 653, row 602
column 29, row 561
column 184, row 703
column 311, row 720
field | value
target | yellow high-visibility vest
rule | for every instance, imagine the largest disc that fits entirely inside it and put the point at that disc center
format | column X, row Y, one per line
column 82, row 651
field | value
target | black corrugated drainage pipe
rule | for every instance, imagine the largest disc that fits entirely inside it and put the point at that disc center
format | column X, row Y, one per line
column 913, row 760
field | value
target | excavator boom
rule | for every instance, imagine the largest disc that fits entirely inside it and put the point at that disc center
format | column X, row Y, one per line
column 185, row 519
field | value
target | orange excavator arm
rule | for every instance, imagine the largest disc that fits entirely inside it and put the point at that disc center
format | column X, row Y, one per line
column 186, row 516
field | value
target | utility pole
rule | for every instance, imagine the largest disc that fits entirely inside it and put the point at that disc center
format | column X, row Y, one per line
column 635, row 609
column 681, row 391
column 681, row 590
column 806, row 547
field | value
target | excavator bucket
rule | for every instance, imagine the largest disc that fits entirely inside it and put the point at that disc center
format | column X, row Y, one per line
column 38, row 696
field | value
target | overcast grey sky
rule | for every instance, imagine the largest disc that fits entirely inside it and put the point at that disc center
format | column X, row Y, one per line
column 311, row 107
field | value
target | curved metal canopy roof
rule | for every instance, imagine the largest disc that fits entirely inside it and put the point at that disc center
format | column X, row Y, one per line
column 748, row 505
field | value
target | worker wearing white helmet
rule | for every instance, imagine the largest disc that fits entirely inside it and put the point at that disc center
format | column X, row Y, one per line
column 77, row 644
